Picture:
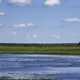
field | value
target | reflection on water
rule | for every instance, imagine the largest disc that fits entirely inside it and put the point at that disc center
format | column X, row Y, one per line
column 40, row 66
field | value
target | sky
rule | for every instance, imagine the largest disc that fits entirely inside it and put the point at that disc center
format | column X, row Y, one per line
column 39, row 21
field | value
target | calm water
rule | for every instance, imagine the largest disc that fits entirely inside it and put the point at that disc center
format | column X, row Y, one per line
column 35, row 66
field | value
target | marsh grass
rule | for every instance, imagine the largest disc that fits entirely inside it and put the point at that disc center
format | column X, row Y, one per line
column 42, row 49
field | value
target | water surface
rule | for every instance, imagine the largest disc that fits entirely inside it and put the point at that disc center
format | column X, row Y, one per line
column 30, row 66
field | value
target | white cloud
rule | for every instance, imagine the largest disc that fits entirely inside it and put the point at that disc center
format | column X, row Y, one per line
column 20, row 25
column 56, row 36
column 30, row 24
column 2, row 14
column 34, row 35
column 20, row 2
column 52, row 2
column 1, row 24
column 75, row 19
column 23, row 25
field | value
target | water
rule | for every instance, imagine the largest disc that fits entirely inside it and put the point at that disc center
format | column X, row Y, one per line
column 40, row 66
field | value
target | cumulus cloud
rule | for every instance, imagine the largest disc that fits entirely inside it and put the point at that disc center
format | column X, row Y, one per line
column 75, row 19
column 2, row 14
column 52, row 2
column 23, row 25
column 20, row 2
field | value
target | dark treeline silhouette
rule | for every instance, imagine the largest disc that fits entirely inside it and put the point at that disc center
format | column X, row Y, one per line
column 39, row 44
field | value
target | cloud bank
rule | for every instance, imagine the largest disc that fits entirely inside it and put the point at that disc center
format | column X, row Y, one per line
column 29, row 2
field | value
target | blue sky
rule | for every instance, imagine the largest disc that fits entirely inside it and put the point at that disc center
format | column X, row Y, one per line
column 39, row 21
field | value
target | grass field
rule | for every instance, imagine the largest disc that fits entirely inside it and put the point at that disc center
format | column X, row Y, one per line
column 42, row 49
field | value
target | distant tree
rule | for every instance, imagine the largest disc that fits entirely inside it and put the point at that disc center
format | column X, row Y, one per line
column 79, row 43
column 6, row 78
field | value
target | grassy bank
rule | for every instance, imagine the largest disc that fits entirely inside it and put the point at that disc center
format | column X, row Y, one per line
column 67, row 49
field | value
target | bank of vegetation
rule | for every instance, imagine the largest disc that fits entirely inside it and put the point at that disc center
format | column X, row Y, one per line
column 67, row 48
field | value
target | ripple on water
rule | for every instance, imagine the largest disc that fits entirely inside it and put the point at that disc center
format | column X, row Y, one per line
column 40, row 64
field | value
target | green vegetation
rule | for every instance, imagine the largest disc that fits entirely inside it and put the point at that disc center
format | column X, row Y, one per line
column 67, row 49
